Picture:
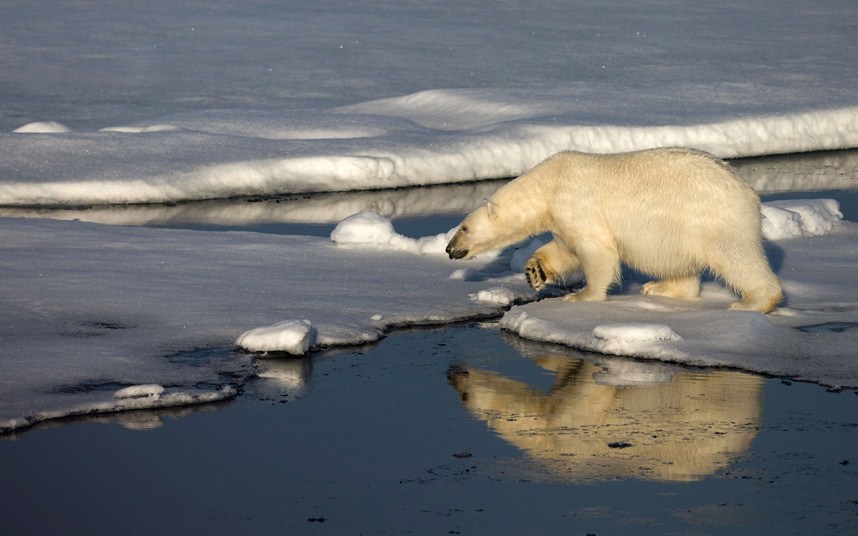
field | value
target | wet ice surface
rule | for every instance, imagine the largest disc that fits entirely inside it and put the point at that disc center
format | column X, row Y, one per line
column 457, row 430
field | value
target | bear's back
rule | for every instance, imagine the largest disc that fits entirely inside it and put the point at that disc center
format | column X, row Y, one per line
column 662, row 207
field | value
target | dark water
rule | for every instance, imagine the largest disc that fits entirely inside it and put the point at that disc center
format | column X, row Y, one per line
column 462, row 430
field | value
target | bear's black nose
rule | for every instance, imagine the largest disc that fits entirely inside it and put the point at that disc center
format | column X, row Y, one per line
column 455, row 253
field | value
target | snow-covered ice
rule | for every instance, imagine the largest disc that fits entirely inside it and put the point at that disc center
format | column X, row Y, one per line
column 173, row 102
column 90, row 309
column 484, row 93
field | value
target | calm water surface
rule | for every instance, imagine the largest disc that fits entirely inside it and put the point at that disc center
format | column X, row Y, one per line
column 462, row 430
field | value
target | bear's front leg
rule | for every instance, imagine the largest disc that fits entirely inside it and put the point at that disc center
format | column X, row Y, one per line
column 551, row 263
column 601, row 266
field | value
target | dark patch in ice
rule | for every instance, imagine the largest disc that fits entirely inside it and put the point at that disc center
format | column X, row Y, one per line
column 95, row 329
column 828, row 327
column 619, row 445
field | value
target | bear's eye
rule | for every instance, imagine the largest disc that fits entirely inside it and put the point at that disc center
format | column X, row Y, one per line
column 464, row 228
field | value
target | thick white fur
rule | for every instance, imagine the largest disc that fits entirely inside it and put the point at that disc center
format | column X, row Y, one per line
column 670, row 213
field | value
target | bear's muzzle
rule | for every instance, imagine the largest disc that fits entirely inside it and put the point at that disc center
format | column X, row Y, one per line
column 457, row 253
column 454, row 250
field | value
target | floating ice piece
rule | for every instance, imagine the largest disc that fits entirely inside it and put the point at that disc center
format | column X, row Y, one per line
column 140, row 391
column 499, row 295
column 42, row 127
column 293, row 336
column 799, row 218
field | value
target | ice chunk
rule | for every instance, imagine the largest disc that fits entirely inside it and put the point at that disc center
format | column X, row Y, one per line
column 799, row 218
column 369, row 229
column 140, row 391
column 363, row 229
column 293, row 336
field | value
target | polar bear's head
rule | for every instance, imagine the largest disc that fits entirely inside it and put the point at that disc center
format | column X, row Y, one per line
column 491, row 226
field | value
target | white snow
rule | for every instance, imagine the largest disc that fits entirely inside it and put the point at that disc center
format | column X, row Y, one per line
column 369, row 229
column 791, row 219
column 272, row 98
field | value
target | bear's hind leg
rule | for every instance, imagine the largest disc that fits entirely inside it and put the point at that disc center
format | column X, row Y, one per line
column 683, row 288
column 550, row 264
column 751, row 277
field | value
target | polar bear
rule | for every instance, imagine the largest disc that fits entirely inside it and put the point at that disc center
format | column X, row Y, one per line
column 669, row 213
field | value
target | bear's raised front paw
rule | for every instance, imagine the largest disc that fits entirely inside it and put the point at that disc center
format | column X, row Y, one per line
column 535, row 274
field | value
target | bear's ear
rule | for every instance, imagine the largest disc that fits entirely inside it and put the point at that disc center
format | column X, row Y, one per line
column 491, row 208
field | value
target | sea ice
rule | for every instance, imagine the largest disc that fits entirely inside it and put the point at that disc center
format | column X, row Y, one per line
column 87, row 307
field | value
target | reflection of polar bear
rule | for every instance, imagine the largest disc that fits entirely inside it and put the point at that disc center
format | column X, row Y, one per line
column 681, row 429
column 670, row 213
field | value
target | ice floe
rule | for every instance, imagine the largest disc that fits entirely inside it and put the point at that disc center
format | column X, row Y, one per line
column 89, row 309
